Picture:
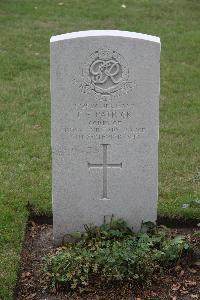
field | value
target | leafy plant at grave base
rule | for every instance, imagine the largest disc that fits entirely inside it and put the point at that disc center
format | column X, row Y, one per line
column 197, row 233
column 113, row 252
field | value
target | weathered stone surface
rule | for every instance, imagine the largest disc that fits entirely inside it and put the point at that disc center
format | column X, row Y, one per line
column 105, row 124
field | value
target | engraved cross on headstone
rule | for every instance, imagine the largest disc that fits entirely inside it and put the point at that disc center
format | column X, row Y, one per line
column 104, row 165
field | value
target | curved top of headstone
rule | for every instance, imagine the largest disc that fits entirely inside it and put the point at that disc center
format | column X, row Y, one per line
column 94, row 33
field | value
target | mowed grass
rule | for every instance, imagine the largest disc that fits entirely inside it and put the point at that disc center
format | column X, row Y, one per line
column 25, row 154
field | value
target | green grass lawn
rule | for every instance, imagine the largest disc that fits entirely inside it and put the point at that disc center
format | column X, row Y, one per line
column 25, row 154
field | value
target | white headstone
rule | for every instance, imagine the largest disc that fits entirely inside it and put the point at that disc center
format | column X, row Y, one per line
column 105, row 127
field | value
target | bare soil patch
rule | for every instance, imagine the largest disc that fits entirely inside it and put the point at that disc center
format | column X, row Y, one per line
column 181, row 282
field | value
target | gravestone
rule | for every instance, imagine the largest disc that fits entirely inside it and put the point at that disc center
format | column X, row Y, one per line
column 105, row 127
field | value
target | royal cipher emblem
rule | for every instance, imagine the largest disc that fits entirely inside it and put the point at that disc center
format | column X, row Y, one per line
column 105, row 72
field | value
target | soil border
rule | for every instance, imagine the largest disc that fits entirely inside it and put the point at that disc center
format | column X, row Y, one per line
column 48, row 219
column 161, row 220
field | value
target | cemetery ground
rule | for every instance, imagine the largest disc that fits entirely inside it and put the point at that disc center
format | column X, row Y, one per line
column 26, row 27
